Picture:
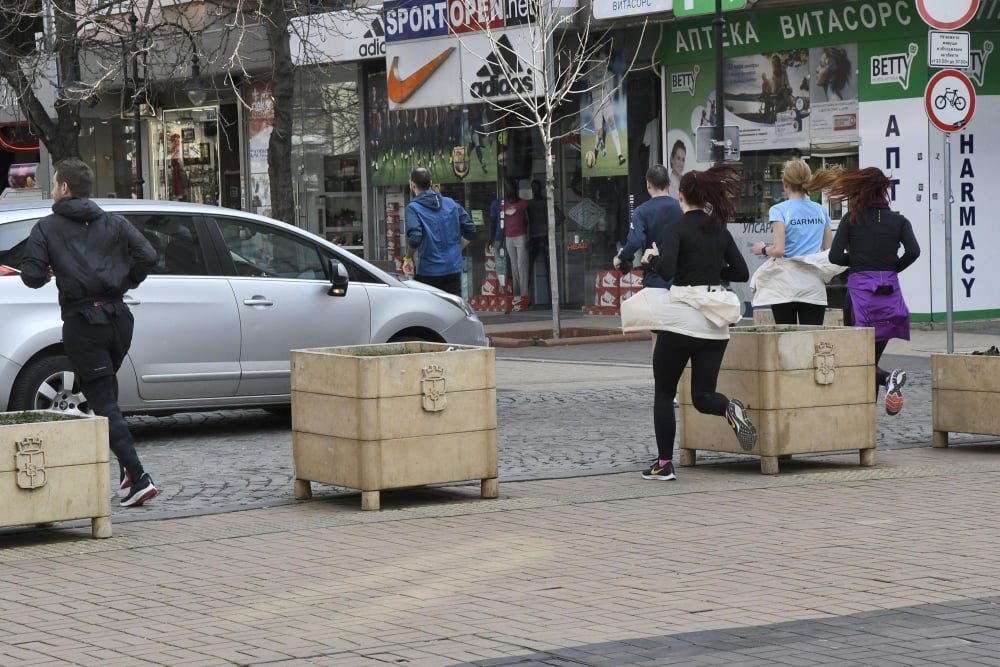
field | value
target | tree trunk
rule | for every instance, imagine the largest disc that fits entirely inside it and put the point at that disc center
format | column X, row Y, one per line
column 279, row 148
column 550, row 180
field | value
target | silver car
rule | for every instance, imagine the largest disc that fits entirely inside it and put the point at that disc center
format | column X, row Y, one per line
column 231, row 295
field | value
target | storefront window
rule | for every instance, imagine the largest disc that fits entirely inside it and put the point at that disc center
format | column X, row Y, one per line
column 327, row 155
column 186, row 155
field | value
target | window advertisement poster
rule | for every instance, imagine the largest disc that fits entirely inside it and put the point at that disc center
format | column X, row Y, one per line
column 456, row 143
column 603, row 124
column 767, row 96
column 261, row 124
column 690, row 94
column 833, row 94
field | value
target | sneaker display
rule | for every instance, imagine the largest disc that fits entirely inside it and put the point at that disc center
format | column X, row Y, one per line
column 124, row 482
column 894, row 391
column 140, row 492
column 740, row 422
column 655, row 471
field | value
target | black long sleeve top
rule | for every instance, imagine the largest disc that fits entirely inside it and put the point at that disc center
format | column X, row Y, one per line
column 691, row 254
column 872, row 244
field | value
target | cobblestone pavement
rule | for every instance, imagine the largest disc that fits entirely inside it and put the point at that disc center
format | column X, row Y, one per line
column 220, row 461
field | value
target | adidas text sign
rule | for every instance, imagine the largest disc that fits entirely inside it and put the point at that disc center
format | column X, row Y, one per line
column 503, row 74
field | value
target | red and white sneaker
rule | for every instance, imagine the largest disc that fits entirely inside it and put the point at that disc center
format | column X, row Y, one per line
column 894, row 391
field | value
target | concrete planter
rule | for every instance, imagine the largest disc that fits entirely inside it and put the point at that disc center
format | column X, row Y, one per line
column 55, row 471
column 965, row 394
column 375, row 417
column 807, row 389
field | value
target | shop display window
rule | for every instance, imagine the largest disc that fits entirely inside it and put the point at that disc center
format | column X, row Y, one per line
column 186, row 164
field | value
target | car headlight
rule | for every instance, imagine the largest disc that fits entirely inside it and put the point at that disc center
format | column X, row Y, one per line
column 457, row 301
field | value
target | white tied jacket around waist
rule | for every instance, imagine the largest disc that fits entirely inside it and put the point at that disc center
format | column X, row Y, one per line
column 787, row 279
column 700, row 311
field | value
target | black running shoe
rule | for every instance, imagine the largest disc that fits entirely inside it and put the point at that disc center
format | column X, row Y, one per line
column 140, row 492
column 739, row 420
column 656, row 471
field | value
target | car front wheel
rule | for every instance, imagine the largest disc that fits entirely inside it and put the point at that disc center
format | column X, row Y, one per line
column 49, row 383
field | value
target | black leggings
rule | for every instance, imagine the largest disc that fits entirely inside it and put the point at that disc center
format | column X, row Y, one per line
column 670, row 356
column 796, row 312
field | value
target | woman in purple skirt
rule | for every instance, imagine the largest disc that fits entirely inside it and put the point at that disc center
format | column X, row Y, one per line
column 867, row 242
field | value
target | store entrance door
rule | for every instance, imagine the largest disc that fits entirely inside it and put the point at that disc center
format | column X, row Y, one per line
column 186, row 164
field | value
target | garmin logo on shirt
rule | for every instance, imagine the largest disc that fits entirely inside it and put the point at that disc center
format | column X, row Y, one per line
column 806, row 221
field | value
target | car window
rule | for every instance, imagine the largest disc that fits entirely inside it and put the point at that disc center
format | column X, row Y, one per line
column 261, row 251
column 175, row 240
column 13, row 238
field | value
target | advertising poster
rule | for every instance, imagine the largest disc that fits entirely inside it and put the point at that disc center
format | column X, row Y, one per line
column 603, row 121
column 261, row 124
column 456, row 144
column 833, row 94
column 767, row 96
column 690, row 91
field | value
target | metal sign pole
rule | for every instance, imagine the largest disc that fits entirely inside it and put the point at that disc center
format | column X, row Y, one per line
column 720, row 103
column 947, row 243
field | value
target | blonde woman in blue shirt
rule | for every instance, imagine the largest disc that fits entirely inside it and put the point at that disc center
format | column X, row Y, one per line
column 796, row 290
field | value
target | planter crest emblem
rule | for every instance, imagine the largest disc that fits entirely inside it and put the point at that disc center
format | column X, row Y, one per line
column 30, row 461
column 433, row 389
column 824, row 363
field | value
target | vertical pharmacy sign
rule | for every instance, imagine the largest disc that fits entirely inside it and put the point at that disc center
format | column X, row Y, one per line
column 950, row 101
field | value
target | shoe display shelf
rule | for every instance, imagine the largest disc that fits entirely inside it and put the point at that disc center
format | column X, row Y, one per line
column 965, row 395
column 806, row 388
column 54, row 469
column 394, row 415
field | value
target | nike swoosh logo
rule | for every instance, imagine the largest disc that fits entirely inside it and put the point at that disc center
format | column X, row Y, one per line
column 400, row 90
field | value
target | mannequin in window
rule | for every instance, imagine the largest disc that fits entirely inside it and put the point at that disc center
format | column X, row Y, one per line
column 514, row 234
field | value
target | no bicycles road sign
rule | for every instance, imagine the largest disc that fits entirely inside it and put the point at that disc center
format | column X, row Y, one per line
column 950, row 100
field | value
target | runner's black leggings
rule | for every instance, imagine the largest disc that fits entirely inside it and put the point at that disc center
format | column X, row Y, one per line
column 796, row 312
column 670, row 356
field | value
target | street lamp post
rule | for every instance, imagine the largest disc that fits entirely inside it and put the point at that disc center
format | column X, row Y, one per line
column 136, row 108
column 194, row 88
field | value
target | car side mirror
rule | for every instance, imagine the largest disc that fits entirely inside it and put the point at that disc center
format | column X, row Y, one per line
column 338, row 278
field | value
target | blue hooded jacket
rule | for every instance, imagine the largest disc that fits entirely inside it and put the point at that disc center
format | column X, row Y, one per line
column 435, row 226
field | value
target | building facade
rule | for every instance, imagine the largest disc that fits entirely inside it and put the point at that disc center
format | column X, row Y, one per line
column 844, row 83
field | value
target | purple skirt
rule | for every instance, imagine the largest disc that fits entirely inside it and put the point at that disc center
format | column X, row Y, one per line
column 878, row 302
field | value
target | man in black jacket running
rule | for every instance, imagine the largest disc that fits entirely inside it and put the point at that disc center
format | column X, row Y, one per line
column 95, row 257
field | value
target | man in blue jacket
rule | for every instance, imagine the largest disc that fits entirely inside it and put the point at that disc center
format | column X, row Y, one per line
column 648, row 221
column 438, row 230
column 95, row 257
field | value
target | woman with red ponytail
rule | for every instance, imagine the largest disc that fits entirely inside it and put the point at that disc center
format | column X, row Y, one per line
column 867, row 242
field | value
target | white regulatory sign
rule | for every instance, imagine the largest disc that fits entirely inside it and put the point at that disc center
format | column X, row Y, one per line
column 947, row 14
column 948, row 48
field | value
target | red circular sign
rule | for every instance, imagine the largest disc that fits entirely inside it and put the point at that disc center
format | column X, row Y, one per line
column 950, row 100
column 947, row 14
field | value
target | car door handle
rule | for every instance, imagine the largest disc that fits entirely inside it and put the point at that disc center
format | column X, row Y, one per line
column 258, row 300
column 131, row 301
